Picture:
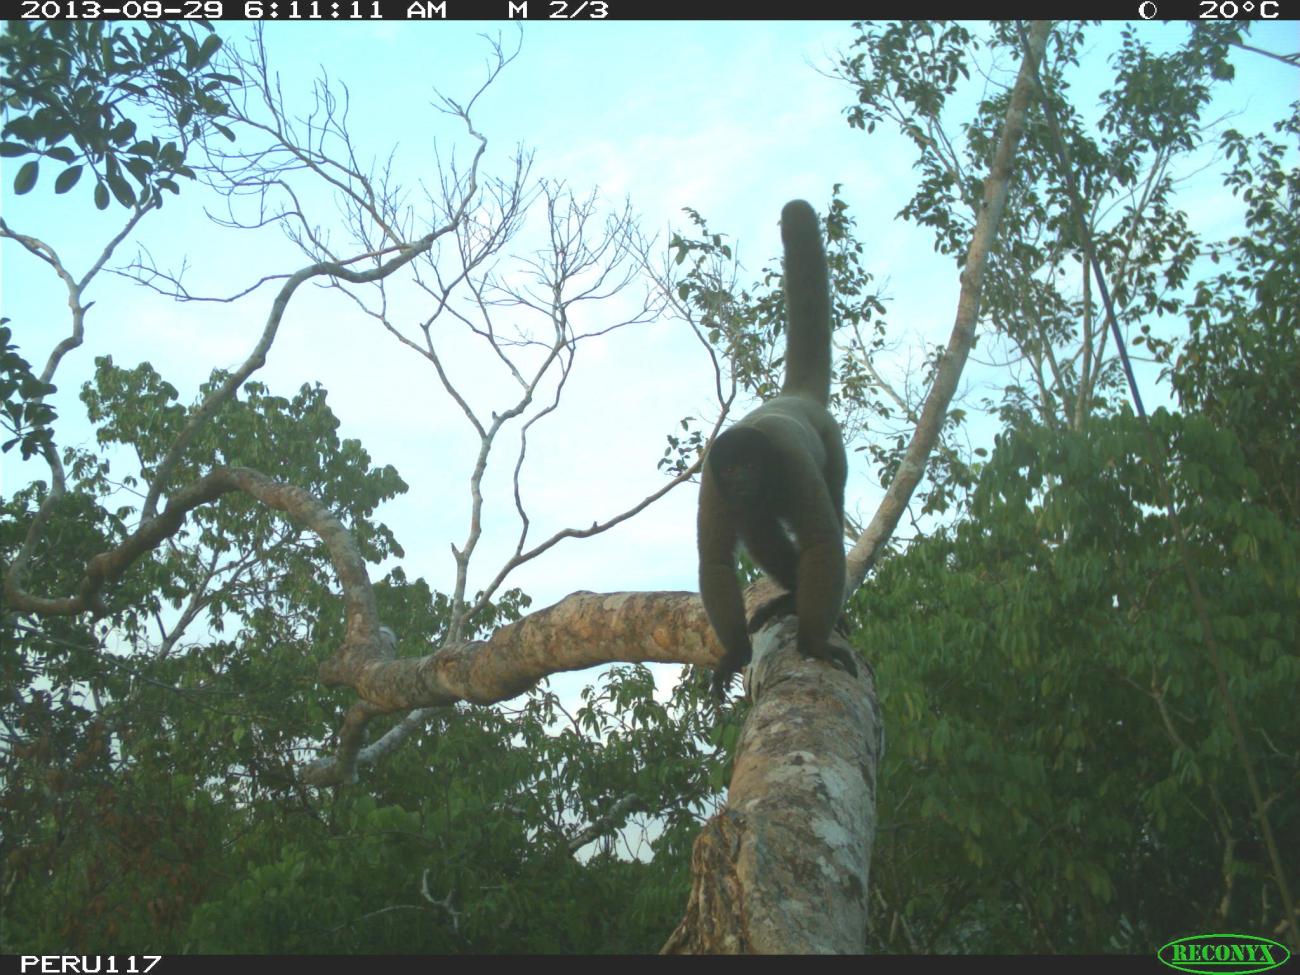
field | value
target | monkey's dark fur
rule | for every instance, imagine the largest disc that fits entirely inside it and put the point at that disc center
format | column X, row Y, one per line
column 779, row 472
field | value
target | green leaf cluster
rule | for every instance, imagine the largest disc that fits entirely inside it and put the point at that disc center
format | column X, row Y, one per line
column 78, row 92
column 1060, row 774
column 23, row 411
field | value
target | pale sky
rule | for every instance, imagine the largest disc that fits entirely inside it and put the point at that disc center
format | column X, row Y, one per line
column 730, row 118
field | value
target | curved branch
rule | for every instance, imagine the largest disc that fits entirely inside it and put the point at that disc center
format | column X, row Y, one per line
column 108, row 567
column 585, row 629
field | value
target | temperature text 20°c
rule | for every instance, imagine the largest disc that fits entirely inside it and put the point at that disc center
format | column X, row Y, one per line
column 1230, row 9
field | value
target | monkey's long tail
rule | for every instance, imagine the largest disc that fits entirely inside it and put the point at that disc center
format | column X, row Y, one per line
column 808, row 304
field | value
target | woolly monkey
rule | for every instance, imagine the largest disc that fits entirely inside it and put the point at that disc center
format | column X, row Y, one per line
column 774, row 481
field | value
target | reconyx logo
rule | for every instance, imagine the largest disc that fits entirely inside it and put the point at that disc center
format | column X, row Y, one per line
column 1223, row 954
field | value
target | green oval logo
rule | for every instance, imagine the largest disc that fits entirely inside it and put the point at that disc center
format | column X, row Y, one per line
column 1217, row 954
